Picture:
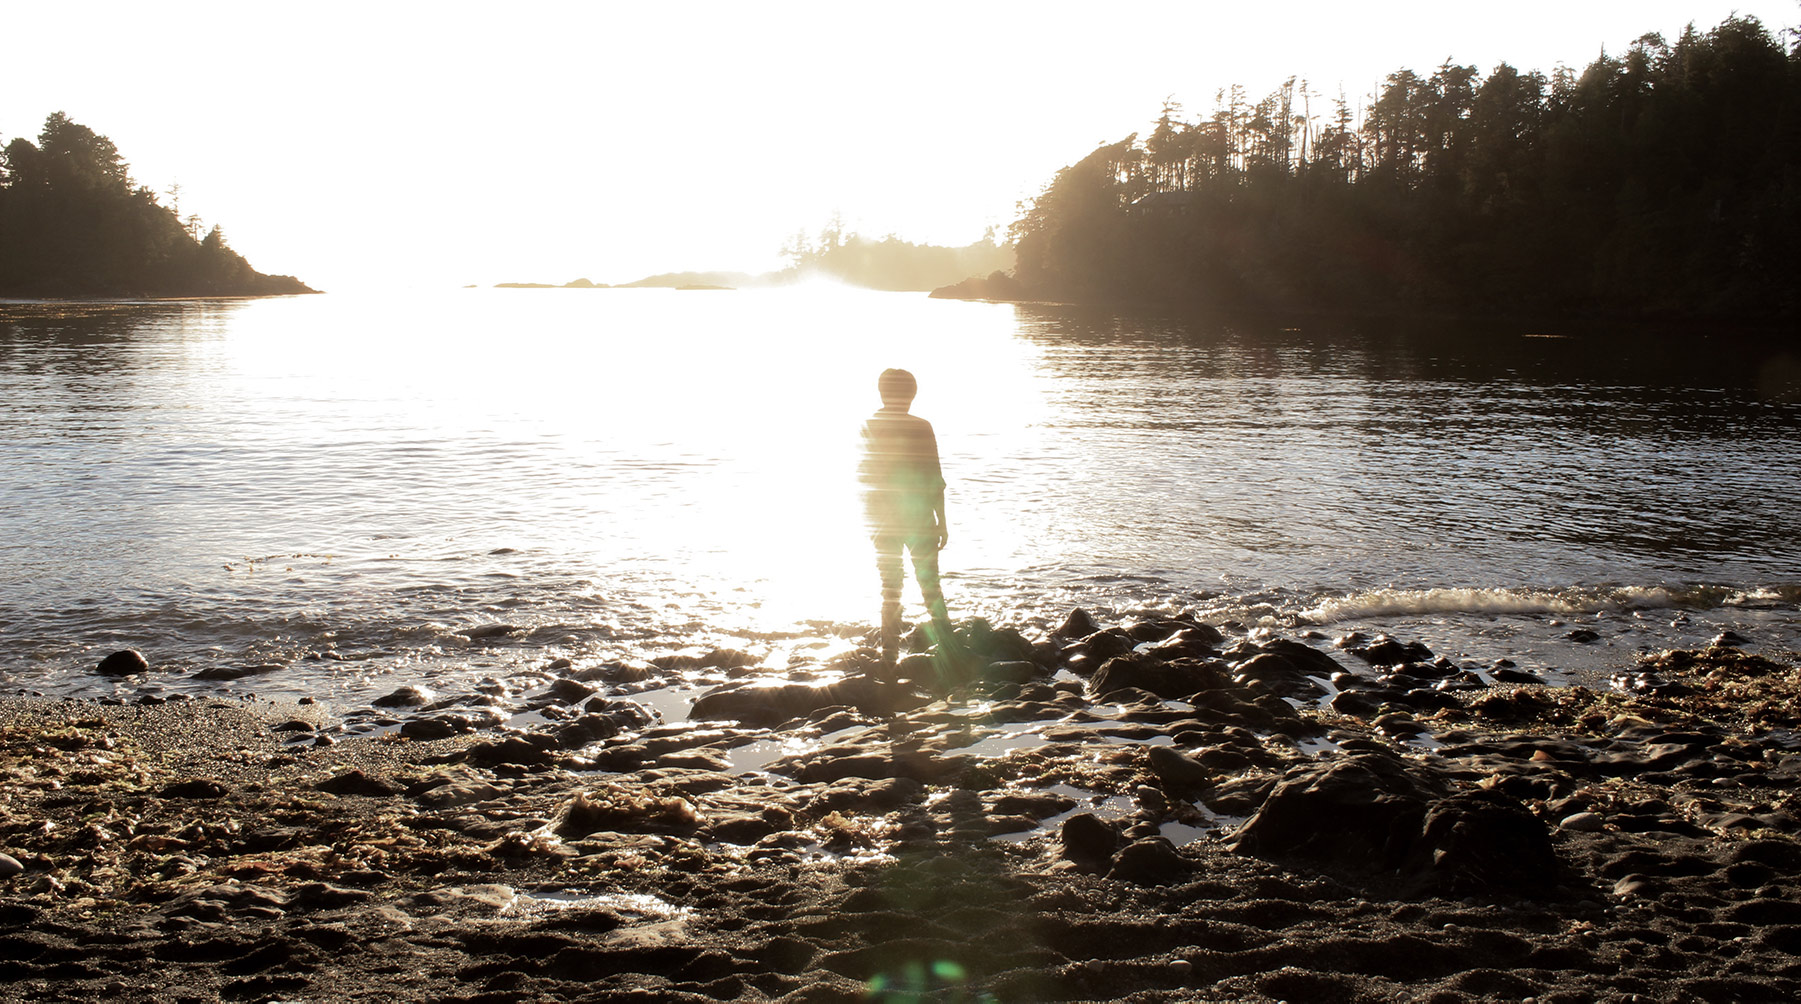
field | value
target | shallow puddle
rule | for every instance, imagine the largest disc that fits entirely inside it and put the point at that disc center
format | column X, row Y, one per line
column 1102, row 806
column 757, row 755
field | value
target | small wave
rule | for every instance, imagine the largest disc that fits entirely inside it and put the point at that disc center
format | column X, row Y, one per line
column 1567, row 601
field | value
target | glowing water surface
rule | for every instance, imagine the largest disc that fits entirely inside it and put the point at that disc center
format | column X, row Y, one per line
column 471, row 483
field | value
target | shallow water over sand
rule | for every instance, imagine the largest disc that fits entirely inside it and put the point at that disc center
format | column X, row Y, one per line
column 334, row 495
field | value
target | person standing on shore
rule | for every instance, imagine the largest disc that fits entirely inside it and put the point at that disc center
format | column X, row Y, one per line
column 903, row 503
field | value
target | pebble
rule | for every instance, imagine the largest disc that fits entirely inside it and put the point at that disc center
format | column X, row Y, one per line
column 1583, row 822
column 9, row 866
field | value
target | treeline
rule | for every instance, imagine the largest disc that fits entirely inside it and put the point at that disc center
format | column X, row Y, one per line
column 1663, row 182
column 889, row 263
column 72, row 223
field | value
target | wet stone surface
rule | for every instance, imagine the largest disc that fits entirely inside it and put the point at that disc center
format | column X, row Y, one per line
column 1151, row 809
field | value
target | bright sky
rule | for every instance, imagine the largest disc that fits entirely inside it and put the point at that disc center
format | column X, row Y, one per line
column 360, row 144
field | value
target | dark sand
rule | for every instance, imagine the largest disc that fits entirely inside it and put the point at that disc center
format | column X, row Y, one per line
column 1489, row 843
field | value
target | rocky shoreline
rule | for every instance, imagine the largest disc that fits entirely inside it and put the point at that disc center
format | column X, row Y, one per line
column 1148, row 811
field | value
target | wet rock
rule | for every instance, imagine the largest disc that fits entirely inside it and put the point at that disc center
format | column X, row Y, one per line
column 838, row 763
column 1272, row 673
column 484, row 632
column 1426, row 699
column 511, row 751
column 355, row 782
column 1104, row 645
column 1077, row 625
column 225, row 673
column 719, row 658
column 1175, row 679
column 618, row 672
column 1305, row 659
column 1195, row 641
column 583, row 732
column 567, row 691
column 768, row 704
column 1356, row 704
column 405, row 697
column 199, row 787
column 1483, row 841
column 1507, row 675
column 1397, row 724
column 987, row 643
column 123, row 663
column 1727, row 639
column 1583, row 822
column 1636, row 885
column 747, row 826
column 1584, row 636
column 1375, row 804
column 1087, row 841
column 1176, row 768
column 1385, row 651
column 1150, row 861
column 697, row 759
column 9, row 866
column 440, row 727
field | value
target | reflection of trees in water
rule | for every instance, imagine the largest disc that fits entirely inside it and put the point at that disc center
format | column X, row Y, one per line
column 1427, row 437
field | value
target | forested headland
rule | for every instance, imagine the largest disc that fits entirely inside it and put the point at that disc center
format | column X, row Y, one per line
column 73, row 223
column 1663, row 182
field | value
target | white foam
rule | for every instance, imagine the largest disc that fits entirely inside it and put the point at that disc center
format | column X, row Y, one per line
column 1566, row 601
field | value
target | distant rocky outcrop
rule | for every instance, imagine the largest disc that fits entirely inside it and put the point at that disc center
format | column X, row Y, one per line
column 997, row 285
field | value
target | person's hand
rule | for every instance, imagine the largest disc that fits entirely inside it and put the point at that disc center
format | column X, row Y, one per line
column 944, row 536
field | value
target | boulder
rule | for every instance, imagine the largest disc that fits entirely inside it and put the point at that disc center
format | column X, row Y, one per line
column 567, row 691
column 123, row 663
column 1175, row 679
column 763, row 703
column 1077, row 625
column 1381, row 817
column 1087, row 841
column 1385, row 651
column 1177, row 769
column 1150, row 861
column 405, row 697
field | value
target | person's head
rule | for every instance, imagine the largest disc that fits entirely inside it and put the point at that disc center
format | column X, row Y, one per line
column 898, row 388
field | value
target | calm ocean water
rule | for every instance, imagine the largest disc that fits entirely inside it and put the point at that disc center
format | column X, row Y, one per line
column 354, row 492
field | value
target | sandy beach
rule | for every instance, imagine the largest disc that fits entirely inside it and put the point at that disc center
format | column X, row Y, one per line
column 1149, row 811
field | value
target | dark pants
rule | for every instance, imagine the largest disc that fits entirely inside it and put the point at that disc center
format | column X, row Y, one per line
column 924, row 549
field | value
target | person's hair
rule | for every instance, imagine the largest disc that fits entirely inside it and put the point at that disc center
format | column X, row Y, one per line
column 897, row 386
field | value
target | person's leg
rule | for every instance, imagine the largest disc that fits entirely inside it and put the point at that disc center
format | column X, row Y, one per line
column 888, row 563
column 925, row 569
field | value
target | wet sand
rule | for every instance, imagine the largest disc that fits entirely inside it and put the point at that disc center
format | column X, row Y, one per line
column 1149, row 811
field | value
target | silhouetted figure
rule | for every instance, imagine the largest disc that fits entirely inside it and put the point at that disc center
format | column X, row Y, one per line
column 903, row 501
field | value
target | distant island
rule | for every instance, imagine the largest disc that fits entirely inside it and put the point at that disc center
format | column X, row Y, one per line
column 886, row 264
column 1657, row 184
column 72, row 223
